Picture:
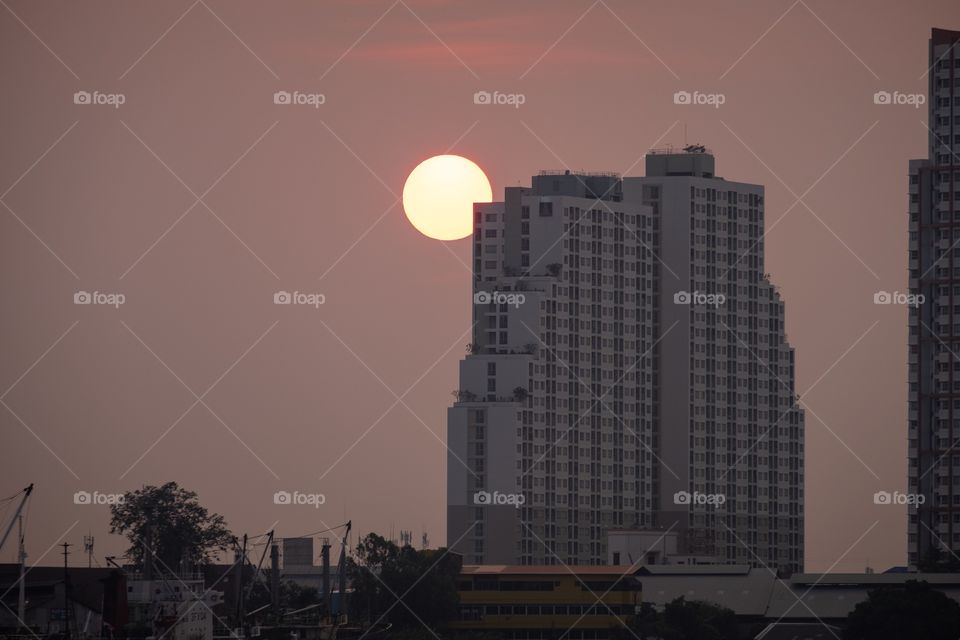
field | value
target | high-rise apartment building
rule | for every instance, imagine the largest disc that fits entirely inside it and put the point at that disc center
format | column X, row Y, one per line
column 628, row 370
column 934, row 325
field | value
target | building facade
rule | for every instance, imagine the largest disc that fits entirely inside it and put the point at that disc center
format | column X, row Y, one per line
column 934, row 324
column 628, row 369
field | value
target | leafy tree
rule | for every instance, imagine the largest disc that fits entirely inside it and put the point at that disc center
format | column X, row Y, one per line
column 179, row 526
column 914, row 610
column 293, row 596
column 695, row 620
column 643, row 624
column 935, row 561
column 407, row 587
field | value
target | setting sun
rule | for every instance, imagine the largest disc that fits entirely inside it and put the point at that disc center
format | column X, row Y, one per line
column 439, row 194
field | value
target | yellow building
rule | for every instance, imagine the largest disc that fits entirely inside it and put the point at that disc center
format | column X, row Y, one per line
column 522, row 602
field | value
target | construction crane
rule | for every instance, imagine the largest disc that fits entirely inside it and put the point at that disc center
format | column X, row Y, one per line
column 273, row 584
column 23, row 500
column 21, row 552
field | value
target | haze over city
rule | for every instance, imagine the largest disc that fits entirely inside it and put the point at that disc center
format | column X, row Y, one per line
column 200, row 195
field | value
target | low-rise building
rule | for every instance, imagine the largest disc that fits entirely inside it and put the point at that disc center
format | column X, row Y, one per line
column 96, row 600
column 522, row 602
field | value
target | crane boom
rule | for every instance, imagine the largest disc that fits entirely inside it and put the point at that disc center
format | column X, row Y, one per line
column 16, row 515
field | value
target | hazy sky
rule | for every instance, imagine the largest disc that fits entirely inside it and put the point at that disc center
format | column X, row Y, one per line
column 198, row 198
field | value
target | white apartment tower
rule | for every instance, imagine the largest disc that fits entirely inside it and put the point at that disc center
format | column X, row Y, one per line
column 629, row 370
column 934, row 325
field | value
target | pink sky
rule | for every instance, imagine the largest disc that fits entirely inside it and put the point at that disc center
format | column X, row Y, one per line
column 300, row 199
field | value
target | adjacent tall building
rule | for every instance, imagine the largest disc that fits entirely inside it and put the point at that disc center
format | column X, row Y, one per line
column 628, row 370
column 934, row 325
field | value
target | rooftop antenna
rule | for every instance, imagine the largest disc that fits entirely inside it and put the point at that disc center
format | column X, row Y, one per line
column 88, row 549
column 684, row 134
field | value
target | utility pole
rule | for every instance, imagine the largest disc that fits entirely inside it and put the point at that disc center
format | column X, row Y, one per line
column 241, row 613
column 66, row 588
column 275, row 578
